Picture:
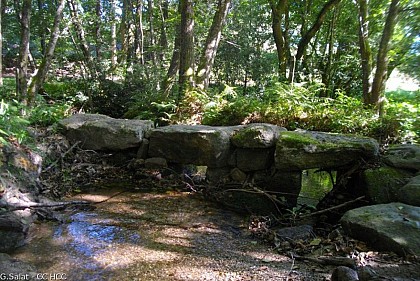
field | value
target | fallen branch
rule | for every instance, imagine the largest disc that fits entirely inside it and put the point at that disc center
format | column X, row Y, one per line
column 33, row 205
column 335, row 261
column 256, row 190
column 62, row 156
column 332, row 208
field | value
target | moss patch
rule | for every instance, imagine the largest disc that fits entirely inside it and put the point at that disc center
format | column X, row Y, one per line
column 298, row 140
column 324, row 141
column 383, row 183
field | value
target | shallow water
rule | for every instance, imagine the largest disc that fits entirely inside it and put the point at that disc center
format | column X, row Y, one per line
column 150, row 236
column 88, row 235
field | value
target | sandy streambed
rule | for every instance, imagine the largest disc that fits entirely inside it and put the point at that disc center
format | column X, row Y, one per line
column 155, row 236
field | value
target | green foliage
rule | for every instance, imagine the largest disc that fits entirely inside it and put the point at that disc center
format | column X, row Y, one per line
column 45, row 114
column 16, row 117
column 402, row 112
column 12, row 124
column 302, row 107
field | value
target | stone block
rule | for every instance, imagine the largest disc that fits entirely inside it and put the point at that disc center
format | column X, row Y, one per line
column 100, row 132
column 198, row 145
column 256, row 135
column 304, row 150
column 254, row 159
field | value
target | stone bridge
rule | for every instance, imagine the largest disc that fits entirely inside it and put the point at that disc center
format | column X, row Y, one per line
column 262, row 154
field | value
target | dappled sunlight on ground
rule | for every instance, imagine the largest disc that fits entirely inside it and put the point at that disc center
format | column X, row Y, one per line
column 174, row 236
column 152, row 236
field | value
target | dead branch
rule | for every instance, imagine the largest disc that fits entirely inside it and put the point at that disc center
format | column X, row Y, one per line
column 62, row 156
column 33, row 205
column 332, row 208
column 259, row 191
column 335, row 261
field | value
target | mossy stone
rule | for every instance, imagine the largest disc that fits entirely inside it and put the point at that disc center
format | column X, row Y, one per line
column 382, row 184
column 303, row 150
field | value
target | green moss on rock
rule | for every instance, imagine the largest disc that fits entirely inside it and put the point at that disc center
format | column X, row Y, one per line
column 382, row 184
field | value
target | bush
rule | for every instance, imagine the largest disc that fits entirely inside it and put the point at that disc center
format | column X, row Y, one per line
column 302, row 107
column 12, row 124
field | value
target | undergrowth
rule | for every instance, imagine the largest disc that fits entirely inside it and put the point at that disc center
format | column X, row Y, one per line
column 291, row 106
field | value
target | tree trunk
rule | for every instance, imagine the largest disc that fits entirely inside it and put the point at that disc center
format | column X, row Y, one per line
column 113, row 36
column 163, row 40
column 326, row 72
column 379, row 80
column 174, row 66
column 304, row 41
column 98, row 42
column 212, row 43
column 150, row 8
column 278, row 10
column 186, row 57
column 84, row 46
column 364, row 49
column 41, row 73
column 139, row 40
column 22, row 73
column 124, row 30
column 43, row 23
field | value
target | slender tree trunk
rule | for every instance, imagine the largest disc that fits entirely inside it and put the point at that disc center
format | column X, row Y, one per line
column 139, row 40
column 22, row 73
column 43, row 23
column 98, row 41
column 326, row 73
column 124, row 33
column 379, row 80
column 304, row 41
column 150, row 9
column 41, row 73
column 364, row 49
column 278, row 10
column 307, row 6
column 113, row 36
column 84, row 46
column 163, row 40
column 174, row 65
column 212, row 43
column 186, row 58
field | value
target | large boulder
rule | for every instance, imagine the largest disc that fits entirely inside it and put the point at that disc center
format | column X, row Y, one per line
column 383, row 184
column 303, row 150
column 410, row 193
column 404, row 156
column 198, row 145
column 256, row 135
column 390, row 227
column 100, row 132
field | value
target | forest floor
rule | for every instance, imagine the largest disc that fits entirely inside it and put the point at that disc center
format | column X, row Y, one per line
column 145, row 226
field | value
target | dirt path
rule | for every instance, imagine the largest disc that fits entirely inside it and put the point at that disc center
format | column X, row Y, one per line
column 157, row 236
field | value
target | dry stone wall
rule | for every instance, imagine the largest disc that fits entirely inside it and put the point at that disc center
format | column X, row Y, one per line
column 262, row 154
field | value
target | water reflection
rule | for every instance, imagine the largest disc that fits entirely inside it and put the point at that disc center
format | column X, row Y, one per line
column 315, row 185
column 88, row 235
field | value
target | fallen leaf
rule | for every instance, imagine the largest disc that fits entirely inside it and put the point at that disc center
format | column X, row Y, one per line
column 315, row 242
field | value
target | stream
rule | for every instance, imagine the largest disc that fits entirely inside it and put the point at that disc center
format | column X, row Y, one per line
column 169, row 235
